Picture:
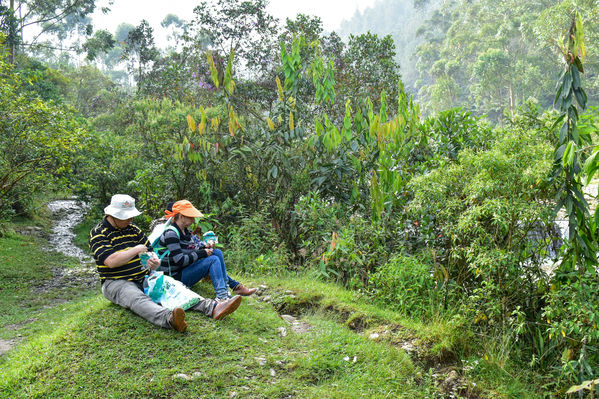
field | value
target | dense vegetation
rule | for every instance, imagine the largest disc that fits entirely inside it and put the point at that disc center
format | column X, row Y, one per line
column 311, row 157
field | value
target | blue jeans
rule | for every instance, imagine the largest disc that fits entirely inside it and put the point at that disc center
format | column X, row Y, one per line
column 213, row 265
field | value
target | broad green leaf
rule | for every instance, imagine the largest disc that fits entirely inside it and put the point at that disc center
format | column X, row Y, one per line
column 346, row 131
column 591, row 165
column 557, row 95
column 581, row 97
column 568, row 155
column 575, row 78
column 318, row 127
column 575, row 136
column 560, row 152
column 566, row 85
column 566, row 101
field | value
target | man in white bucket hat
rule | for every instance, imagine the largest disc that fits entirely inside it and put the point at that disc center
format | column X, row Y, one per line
column 122, row 207
column 116, row 245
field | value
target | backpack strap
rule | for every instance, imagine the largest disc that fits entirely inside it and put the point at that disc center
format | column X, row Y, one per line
column 157, row 247
column 156, row 243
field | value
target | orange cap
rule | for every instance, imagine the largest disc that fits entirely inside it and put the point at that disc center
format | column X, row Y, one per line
column 185, row 208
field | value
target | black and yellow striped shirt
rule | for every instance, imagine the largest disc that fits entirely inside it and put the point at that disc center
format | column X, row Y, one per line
column 104, row 240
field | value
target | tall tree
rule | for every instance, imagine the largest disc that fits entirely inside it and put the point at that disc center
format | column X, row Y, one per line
column 141, row 50
column 235, row 26
column 38, row 139
column 491, row 56
column 49, row 16
column 369, row 69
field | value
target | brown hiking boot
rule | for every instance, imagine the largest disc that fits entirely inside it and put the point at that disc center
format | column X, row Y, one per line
column 227, row 307
column 242, row 290
column 177, row 320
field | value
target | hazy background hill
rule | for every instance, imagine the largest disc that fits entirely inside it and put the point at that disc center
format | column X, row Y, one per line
column 398, row 18
column 489, row 57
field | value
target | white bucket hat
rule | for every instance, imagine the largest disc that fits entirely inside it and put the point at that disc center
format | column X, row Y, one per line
column 122, row 207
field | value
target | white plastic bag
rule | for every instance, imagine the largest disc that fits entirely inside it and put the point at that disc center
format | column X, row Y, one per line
column 169, row 292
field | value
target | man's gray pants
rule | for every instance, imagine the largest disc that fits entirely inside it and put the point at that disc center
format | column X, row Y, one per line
column 129, row 295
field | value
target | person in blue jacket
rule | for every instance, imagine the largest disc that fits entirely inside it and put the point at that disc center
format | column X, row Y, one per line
column 189, row 262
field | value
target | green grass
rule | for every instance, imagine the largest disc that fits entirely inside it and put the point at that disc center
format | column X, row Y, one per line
column 74, row 343
column 101, row 350
column 82, row 233
column 25, row 264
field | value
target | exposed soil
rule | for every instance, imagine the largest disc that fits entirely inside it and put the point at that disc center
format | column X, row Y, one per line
column 6, row 345
column 297, row 326
column 83, row 277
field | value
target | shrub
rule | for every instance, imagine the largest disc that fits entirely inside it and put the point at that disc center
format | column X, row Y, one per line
column 354, row 253
column 254, row 242
column 316, row 220
column 408, row 285
column 477, row 215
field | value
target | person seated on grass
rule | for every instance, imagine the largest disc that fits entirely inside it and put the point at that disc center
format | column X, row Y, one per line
column 189, row 262
column 116, row 245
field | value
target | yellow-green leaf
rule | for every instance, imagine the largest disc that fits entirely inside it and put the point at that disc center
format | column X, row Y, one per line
column 213, row 70
column 279, row 88
column 229, row 83
column 191, row 123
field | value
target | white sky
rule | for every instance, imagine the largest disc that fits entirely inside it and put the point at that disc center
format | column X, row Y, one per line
column 331, row 12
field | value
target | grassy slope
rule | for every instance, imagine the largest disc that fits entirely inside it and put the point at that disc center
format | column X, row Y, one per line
column 74, row 343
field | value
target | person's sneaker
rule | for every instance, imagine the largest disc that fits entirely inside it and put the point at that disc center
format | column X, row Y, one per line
column 225, row 307
column 177, row 320
column 241, row 289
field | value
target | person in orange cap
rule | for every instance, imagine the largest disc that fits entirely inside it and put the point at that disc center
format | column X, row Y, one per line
column 187, row 262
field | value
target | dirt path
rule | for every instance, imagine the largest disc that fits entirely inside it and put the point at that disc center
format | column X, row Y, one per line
column 66, row 214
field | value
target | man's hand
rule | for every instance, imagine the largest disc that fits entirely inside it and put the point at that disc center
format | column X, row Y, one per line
column 153, row 262
column 208, row 251
column 141, row 249
column 120, row 258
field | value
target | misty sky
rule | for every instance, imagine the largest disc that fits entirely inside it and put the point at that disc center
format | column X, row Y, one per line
column 332, row 12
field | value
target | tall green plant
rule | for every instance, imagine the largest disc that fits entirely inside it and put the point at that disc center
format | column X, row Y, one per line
column 573, row 311
column 569, row 156
column 397, row 140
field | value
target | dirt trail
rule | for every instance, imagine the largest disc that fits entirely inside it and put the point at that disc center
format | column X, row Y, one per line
column 66, row 214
